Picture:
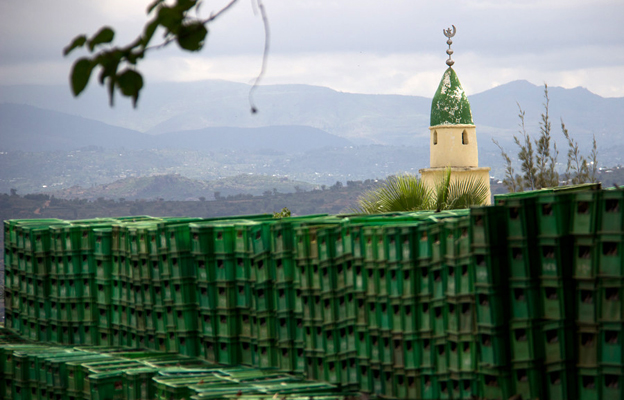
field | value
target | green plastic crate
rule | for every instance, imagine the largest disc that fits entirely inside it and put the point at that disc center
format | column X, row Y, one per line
column 611, row 344
column 493, row 347
column 524, row 300
column 611, row 300
column 527, row 344
column 523, row 259
column 611, row 211
column 560, row 378
column 555, row 257
column 103, row 241
column 612, row 382
column 491, row 306
column 588, row 383
column 611, row 255
column 520, row 212
column 495, row 383
column 558, row 339
column 457, row 237
column 587, row 342
column 528, row 379
column 460, row 313
column 585, row 257
column 553, row 214
column 584, row 212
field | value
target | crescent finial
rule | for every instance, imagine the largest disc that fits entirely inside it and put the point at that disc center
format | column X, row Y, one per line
column 449, row 34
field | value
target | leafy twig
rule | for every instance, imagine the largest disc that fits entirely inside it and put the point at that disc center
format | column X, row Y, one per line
column 189, row 33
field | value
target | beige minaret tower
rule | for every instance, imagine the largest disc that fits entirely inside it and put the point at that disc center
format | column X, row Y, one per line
column 453, row 136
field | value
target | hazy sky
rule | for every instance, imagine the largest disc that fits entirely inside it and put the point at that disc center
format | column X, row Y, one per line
column 365, row 46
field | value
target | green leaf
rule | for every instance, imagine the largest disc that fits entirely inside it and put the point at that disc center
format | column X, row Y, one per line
column 104, row 35
column 170, row 18
column 130, row 83
column 185, row 4
column 78, row 41
column 81, row 72
column 191, row 37
column 109, row 62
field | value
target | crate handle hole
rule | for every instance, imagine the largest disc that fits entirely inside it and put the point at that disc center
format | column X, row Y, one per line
column 612, row 205
column 610, row 249
column 584, row 252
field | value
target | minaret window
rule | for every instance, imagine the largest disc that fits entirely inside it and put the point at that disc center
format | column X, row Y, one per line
column 435, row 137
column 464, row 137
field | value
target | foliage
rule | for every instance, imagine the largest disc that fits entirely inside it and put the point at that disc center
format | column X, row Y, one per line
column 117, row 65
column 282, row 214
column 398, row 193
column 460, row 193
column 545, row 158
column 408, row 193
column 580, row 169
column 538, row 159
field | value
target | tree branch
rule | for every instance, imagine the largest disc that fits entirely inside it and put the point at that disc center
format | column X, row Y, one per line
column 265, row 55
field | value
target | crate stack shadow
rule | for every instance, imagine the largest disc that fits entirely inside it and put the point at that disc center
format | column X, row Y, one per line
column 523, row 297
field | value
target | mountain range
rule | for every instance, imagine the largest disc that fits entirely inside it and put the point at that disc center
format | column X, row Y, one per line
column 361, row 118
column 212, row 116
column 29, row 128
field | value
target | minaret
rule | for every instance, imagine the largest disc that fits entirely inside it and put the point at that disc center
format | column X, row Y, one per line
column 453, row 139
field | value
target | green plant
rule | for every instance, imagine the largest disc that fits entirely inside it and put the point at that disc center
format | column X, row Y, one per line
column 282, row 214
column 409, row 193
column 181, row 24
column 538, row 159
column 579, row 168
column 460, row 193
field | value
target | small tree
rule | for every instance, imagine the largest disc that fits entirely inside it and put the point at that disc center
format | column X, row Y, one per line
column 539, row 159
column 579, row 169
column 545, row 158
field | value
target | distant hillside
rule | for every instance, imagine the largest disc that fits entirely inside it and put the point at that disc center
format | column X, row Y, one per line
column 361, row 118
column 291, row 139
column 292, row 118
column 496, row 111
column 54, row 170
column 28, row 128
column 176, row 187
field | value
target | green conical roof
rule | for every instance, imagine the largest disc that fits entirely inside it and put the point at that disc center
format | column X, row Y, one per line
column 450, row 105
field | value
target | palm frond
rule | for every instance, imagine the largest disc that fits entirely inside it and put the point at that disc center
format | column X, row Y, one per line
column 442, row 191
column 399, row 193
column 466, row 192
column 409, row 193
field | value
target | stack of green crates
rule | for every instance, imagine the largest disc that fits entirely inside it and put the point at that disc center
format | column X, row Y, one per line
column 522, row 297
column 35, row 371
column 597, row 227
column 555, row 289
column 27, row 247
